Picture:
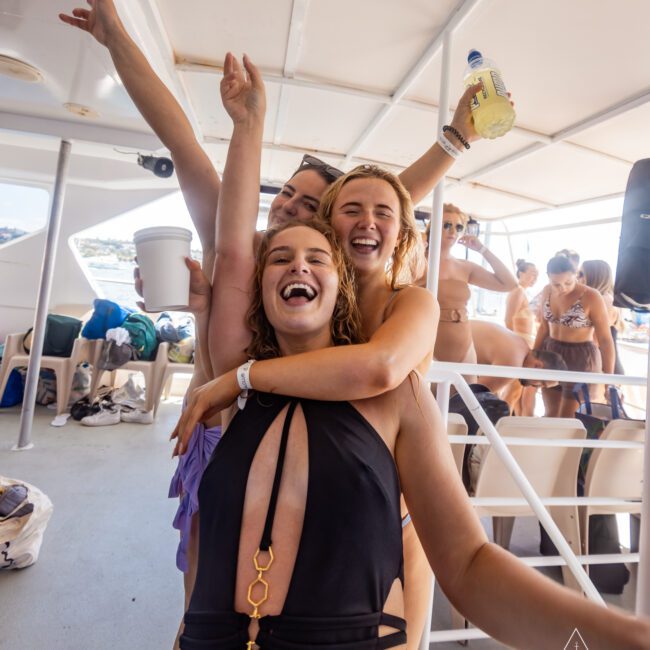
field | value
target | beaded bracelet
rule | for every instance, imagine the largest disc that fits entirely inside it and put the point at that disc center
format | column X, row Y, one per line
column 456, row 132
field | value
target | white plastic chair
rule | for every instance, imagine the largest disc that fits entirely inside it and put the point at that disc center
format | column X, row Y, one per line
column 173, row 368
column 552, row 471
column 614, row 473
column 456, row 426
column 14, row 356
column 153, row 372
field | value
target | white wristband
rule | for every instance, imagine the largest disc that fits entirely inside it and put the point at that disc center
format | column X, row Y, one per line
column 244, row 375
column 482, row 249
column 448, row 147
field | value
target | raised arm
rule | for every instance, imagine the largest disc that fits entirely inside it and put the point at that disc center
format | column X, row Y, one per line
column 497, row 592
column 347, row 372
column 423, row 175
column 242, row 92
column 197, row 177
column 499, row 279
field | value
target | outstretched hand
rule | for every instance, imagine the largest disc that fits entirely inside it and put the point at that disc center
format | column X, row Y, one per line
column 242, row 90
column 99, row 20
column 200, row 288
column 203, row 403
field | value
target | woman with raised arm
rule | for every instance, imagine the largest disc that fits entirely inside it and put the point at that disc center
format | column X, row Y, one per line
column 454, row 342
column 372, row 214
column 301, row 543
column 243, row 98
column 198, row 179
column 574, row 315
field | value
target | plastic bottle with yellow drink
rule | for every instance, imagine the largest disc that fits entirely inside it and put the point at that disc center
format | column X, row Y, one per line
column 492, row 111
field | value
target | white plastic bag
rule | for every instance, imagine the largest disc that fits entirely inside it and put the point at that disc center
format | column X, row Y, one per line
column 21, row 537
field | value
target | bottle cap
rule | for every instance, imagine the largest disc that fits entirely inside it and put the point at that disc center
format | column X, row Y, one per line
column 474, row 57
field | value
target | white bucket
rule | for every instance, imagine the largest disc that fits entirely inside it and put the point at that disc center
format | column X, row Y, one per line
column 161, row 253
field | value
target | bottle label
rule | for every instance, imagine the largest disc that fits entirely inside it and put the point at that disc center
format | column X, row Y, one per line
column 499, row 86
column 474, row 103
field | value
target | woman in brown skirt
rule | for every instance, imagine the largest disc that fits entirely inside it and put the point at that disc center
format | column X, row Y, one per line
column 573, row 314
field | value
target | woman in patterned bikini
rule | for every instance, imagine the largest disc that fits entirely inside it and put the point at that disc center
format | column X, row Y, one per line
column 573, row 314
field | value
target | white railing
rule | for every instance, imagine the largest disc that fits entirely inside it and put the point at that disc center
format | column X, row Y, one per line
column 447, row 374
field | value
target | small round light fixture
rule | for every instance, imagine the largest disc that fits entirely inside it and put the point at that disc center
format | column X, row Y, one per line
column 81, row 110
column 17, row 69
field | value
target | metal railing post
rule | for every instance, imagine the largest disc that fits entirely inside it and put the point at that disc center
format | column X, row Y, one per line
column 44, row 290
column 643, row 575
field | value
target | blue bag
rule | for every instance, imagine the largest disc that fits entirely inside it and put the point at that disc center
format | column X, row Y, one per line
column 13, row 390
column 106, row 314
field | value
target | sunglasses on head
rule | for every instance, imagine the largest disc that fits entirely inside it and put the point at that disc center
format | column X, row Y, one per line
column 311, row 162
column 447, row 225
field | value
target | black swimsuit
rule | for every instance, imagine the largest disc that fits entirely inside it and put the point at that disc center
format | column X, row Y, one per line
column 350, row 549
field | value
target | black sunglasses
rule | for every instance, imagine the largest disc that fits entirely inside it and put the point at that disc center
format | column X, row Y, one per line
column 447, row 225
column 311, row 162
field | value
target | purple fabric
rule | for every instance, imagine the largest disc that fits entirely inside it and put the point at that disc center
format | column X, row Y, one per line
column 185, row 484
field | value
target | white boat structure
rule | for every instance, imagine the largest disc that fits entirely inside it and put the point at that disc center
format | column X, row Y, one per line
column 351, row 82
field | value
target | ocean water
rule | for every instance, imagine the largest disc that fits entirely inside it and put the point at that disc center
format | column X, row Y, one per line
column 114, row 279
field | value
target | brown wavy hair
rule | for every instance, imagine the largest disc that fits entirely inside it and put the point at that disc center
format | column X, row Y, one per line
column 408, row 257
column 345, row 325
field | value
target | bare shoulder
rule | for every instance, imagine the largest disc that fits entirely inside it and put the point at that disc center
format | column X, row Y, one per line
column 418, row 297
column 592, row 297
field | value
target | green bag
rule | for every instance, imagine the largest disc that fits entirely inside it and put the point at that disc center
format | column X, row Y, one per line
column 60, row 334
column 143, row 335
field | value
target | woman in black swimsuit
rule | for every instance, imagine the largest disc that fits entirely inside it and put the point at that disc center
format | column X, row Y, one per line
column 300, row 538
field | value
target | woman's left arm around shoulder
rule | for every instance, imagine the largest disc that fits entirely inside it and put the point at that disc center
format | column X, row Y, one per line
column 340, row 373
column 494, row 590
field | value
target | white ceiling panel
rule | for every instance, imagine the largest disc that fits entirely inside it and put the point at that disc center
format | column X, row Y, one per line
column 564, row 62
column 203, row 90
column 560, row 174
column 484, row 203
column 369, row 44
column 626, row 136
column 321, row 121
column 204, row 30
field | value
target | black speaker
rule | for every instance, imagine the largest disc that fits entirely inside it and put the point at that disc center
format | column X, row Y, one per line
column 162, row 167
column 632, row 282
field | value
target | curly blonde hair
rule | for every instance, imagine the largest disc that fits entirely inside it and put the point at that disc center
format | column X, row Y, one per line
column 345, row 325
column 408, row 257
